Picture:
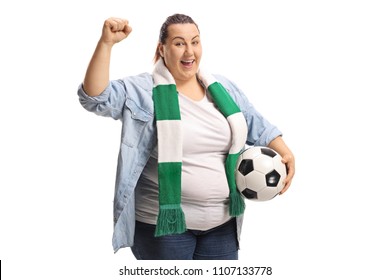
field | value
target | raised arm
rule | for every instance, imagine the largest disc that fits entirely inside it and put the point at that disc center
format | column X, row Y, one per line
column 97, row 75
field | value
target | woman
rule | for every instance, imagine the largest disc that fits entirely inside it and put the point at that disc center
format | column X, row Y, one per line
column 175, row 195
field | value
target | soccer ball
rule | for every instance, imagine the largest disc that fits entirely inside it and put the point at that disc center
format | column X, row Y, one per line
column 260, row 173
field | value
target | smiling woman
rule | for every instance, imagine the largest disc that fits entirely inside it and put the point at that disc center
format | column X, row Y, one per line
column 182, row 53
column 181, row 49
column 182, row 131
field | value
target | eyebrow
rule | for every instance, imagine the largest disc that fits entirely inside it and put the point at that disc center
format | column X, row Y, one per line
column 178, row 37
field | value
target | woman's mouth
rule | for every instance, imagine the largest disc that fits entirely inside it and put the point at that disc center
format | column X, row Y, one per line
column 187, row 63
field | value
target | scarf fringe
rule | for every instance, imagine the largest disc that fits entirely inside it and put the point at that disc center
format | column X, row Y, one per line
column 236, row 204
column 170, row 221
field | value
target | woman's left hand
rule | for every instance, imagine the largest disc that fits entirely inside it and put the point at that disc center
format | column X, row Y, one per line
column 289, row 160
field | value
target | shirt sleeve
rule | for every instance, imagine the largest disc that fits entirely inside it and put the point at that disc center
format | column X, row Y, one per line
column 109, row 103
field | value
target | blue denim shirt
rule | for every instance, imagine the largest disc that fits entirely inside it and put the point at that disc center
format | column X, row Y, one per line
column 130, row 100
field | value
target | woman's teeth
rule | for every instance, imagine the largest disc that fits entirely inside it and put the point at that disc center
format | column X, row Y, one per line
column 187, row 62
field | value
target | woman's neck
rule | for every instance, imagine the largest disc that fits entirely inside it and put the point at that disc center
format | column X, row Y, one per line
column 192, row 89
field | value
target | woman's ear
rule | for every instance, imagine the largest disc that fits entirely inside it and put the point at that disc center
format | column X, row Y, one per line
column 161, row 50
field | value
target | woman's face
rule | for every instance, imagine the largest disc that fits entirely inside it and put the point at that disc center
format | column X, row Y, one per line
column 182, row 51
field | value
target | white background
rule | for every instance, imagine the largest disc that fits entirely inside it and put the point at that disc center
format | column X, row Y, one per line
column 319, row 70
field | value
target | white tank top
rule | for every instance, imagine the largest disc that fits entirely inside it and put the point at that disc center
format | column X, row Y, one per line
column 205, row 191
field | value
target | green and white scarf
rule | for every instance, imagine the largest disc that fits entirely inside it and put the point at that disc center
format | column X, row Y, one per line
column 171, row 218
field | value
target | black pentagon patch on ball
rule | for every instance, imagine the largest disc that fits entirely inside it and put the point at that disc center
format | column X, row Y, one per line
column 272, row 178
column 246, row 166
column 248, row 193
column 268, row 152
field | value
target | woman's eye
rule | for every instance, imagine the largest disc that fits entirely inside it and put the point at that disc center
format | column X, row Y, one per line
column 179, row 44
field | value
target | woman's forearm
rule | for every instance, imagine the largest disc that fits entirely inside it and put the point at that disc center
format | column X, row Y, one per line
column 97, row 75
column 280, row 146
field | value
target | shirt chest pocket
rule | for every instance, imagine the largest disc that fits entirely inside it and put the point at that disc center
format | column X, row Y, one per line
column 136, row 123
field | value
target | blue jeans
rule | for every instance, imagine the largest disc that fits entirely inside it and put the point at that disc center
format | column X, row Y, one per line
column 219, row 243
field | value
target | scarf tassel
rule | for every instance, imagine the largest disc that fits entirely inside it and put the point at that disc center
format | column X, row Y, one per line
column 170, row 220
column 236, row 204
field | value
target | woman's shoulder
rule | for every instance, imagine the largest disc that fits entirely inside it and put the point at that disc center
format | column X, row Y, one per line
column 227, row 83
column 231, row 87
